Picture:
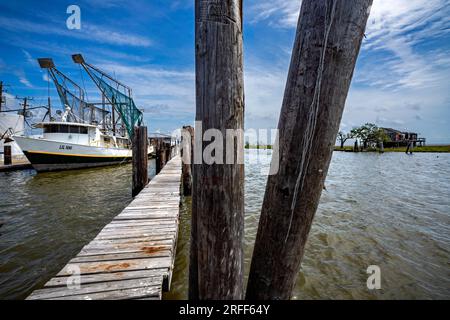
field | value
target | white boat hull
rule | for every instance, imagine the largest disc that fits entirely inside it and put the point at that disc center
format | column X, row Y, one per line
column 47, row 155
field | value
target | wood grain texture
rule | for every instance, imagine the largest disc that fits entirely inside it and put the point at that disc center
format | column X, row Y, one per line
column 216, row 262
column 187, row 158
column 140, row 160
column 327, row 44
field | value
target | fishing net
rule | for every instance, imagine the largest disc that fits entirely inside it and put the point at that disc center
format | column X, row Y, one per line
column 131, row 115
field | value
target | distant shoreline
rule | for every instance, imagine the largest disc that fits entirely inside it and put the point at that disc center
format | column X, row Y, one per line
column 258, row 147
column 430, row 149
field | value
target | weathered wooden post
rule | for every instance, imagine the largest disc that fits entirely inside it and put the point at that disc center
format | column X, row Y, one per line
column 218, row 188
column 409, row 148
column 157, row 156
column 187, row 146
column 140, row 160
column 168, row 152
column 7, row 156
column 327, row 43
column 160, row 154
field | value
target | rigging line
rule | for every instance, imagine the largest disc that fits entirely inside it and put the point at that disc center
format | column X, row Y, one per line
column 48, row 84
column 312, row 117
column 82, row 81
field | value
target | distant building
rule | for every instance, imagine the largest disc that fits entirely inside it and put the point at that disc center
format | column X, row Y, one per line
column 402, row 138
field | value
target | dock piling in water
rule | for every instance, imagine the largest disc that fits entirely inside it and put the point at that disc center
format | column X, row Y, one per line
column 7, row 155
column 327, row 44
column 216, row 266
column 140, row 159
column 187, row 157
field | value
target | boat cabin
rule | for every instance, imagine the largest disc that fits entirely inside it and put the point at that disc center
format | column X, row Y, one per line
column 81, row 133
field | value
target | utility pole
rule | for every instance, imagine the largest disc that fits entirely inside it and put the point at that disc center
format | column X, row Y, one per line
column 327, row 44
column 1, row 95
column 24, row 104
column 216, row 264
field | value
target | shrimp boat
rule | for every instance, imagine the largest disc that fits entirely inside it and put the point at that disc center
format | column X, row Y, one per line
column 85, row 134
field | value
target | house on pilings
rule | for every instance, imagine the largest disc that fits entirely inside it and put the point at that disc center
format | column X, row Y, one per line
column 399, row 138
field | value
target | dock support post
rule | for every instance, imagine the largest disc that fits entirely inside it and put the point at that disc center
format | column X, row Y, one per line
column 187, row 137
column 327, row 44
column 160, row 154
column 140, row 160
column 168, row 153
column 7, row 157
column 218, row 185
column 381, row 147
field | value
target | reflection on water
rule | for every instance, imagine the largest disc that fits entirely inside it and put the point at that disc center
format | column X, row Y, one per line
column 390, row 210
column 48, row 217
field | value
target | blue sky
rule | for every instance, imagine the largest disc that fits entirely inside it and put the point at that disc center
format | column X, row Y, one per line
column 401, row 79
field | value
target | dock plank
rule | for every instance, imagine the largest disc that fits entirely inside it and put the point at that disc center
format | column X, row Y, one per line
column 133, row 256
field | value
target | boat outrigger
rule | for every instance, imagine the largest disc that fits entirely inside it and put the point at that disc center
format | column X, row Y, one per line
column 86, row 134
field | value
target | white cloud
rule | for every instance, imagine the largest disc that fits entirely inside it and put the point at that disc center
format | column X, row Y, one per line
column 395, row 27
column 28, row 56
column 264, row 88
column 23, row 78
column 45, row 77
column 276, row 13
column 157, row 90
column 88, row 32
column 403, row 72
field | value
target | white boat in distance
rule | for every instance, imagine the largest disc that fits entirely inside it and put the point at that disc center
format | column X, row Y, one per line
column 71, row 145
column 86, row 134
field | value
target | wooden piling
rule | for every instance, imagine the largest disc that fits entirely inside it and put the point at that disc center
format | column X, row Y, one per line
column 356, row 147
column 216, row 270
column 160, row 154
column 7, row 155
column 140, row 160
column 327, row 44
column 187, row 158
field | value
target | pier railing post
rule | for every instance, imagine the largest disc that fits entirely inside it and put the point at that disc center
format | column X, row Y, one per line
column 140, row 160
column 7, row 156
column 218, row 186
column 327, row 44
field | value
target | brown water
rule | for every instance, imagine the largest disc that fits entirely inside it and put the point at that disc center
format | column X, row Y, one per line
column 391, row 210
column 48, row 217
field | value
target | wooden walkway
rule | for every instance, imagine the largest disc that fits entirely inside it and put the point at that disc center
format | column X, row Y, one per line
column 16, row 165
column 133, row 256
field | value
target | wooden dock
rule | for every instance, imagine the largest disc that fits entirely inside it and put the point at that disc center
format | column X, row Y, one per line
column 133, row 256
column 16, row 165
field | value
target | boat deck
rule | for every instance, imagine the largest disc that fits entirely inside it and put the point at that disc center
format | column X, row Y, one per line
column 133, row 256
